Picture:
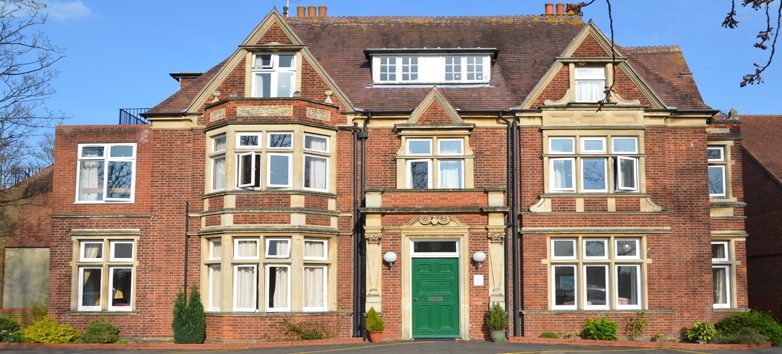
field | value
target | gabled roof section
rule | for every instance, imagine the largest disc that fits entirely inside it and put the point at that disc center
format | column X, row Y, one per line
column 434, row 101
column 762, row 134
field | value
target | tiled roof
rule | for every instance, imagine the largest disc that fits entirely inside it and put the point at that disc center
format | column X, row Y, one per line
column 528, row 46
column 665, row 71
column 182, row 98
column 762, row 134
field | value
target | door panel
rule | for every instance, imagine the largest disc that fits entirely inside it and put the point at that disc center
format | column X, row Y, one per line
column 435, row 294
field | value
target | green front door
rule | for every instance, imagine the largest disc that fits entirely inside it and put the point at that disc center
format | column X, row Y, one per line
column 435, row 298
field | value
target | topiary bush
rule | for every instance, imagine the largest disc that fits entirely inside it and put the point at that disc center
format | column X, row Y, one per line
column 601, row 329
column 497, row 320
column 701, row 332
column 375, row 323
column 9, row 325
column 189, row 323
column 100, row 330
column 761, row 322
column 548, row 335
column 48, row 331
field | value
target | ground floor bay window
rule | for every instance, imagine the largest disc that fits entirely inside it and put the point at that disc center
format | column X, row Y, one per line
column 596, row 273
column 270, row 273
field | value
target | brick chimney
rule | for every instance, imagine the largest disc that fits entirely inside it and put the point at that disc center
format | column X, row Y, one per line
column 549, row 8
column 322, row 11
column 301, row 11
column 560, row 8
column 311, row 11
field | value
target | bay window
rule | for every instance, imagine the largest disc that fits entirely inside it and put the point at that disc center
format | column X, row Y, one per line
column 274, row 74
column 594, row 165
column 218, row 162
column 592, row 273
column 315, row 164
column 106, row 172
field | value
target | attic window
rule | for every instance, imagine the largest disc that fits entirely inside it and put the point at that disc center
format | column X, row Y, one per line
column 274, row 74
column 431, row 66
column 590, row 84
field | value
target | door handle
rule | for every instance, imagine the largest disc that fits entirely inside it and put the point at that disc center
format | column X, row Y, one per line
column 416, row 299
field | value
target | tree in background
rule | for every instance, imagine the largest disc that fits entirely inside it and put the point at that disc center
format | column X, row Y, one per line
column 27, row 58
column 767, row 31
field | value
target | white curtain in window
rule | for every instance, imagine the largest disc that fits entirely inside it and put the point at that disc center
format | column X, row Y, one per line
column 720, row 285
column 91, row 180
column 91, row 287
column 316, row 143
column 219, row 173
column 315, row 172
column 247, row 248
column 245, row 287
column 280, row 291
column 217, row 249
column 314, row 292
column 281, row 247
column 590, row 91
column 450, row 174
column 562, row 174
column 314, row 249
column 216, row 287
column 92, row 250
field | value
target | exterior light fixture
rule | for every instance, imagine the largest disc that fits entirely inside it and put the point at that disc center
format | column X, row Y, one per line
column 478, row 257
column 390, row 258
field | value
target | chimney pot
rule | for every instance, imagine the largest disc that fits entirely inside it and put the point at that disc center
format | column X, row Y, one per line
column 560, row 8
column 550, row 8
column 300, row 11
column 311, row 11
column 321, row 11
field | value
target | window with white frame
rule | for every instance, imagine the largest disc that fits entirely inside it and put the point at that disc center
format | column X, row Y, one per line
column 274, row 74
column 264, row 276
column 105, row 275
column 593, row 164
column 433, row 68
column 596, row 273
column 316, row 162
column 435, row 163
column 590, row 84
column 218, row 162
column 251, row 153
column 106, row 173
column 721, row 273
column 717, row 171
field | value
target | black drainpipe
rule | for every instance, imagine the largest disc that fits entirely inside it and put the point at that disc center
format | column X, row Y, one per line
column 508, row 218
column 357, row 313
column 187, row 242
column 363, row 134
column 515, row 227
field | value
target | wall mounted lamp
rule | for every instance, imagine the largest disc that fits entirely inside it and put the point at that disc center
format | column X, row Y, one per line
column 478, row 257
column 390, row 258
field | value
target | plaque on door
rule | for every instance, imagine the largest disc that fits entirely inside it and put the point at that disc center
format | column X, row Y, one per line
column 439, row 298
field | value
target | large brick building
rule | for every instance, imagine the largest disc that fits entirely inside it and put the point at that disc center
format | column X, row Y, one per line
column 423, row 166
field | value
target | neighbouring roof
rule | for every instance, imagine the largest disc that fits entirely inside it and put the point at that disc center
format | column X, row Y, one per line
column 528, row 46
column 762, row 134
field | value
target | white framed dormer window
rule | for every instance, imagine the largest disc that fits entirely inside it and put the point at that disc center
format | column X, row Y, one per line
column 593, row 164
column 721, row 273
column 447, row 158
column 590, row 84
column 106, row 173
column 589, row 273
column 445, row 68
column 717, row 171
column 274, row 74
column 218, row 162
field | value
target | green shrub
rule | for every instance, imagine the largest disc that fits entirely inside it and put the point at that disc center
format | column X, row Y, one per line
column 744, row 335
column 701, row 332
column 375, row 323
column 121, row 341
column 761, row 322
column 636, row 325
column 601, row 329
column 189, row 323
column 10, row 337
column 497, row 320
column 303, row 330
column 9, row 325
column 548, row 335
column 48, row 331
column 100, row 331
column 572, row 335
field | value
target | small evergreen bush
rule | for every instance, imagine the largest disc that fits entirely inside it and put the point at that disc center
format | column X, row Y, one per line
column 601, row 329
column 498, row 318
column 548, row 335
column 189, row 322
column 636, row 325
column 48, row 331
column 744, row 335
column 761, row 322
column 701, row 332
column 10, row 337
column 100, row 330
column 375, row 323
column 9, row 325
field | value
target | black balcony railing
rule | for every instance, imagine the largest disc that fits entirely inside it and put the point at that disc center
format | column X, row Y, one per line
column 132, row 116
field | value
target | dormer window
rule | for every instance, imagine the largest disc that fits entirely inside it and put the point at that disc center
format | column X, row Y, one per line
column 590, row 84
column 431, row 66
column 274, row 74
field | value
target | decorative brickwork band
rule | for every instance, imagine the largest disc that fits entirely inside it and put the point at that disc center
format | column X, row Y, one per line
column 264, row 111
column 318, row 114
column 217, row 115
column 496, row 237
column 434, row 220
column 373, row 237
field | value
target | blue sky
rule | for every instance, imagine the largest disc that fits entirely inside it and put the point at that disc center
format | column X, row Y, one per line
column 119, row 53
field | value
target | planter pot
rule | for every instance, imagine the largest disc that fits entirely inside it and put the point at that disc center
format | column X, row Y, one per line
column 375, row 337
column 498, row 336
